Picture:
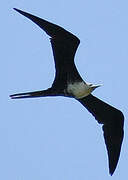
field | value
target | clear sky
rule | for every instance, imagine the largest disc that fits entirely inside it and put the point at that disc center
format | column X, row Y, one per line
column 57, row 138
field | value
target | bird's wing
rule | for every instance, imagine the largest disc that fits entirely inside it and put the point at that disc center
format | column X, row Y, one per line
column 64, row 45
column 113, row 122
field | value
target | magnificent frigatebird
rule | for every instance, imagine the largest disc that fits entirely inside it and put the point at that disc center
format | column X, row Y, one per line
column 69, row 83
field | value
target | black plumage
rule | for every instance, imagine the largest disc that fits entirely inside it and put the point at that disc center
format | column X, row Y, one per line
column 67, row 81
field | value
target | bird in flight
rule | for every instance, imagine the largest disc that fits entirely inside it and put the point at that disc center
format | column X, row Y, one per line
column 68, row 83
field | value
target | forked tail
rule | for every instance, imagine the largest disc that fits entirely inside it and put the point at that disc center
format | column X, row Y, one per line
column 48, row 92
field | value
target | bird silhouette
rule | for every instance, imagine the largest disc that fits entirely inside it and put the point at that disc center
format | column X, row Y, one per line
column 68, row 83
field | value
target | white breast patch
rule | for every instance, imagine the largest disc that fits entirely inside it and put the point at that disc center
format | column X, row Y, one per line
column 79, row 89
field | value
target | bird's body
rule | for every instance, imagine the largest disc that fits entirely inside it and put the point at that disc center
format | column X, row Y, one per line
column 69, row 83
column 80, row 89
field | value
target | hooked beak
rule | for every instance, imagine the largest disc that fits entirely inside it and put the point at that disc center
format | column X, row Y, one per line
column 96, row 86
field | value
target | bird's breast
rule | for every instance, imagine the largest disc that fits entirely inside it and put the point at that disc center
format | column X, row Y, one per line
column 79, row 89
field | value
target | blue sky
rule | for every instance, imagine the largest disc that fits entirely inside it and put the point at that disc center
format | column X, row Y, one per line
column 57, row 138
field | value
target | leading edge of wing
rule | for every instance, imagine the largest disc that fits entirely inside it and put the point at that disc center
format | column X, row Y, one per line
column 113, row 122
column 64, row 43
column 51, row 29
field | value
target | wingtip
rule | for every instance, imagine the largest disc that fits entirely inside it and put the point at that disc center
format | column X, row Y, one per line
column 15, row 9
column 111, row 172
column 18, row 10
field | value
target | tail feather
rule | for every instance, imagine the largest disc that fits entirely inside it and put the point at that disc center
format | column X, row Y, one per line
column 22, row 95
column 43, row 93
